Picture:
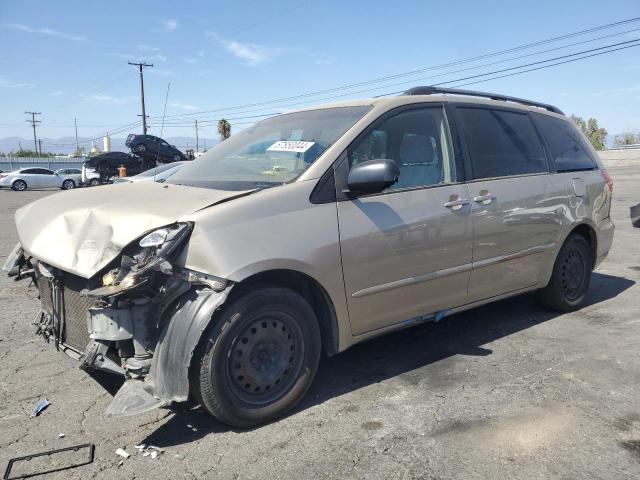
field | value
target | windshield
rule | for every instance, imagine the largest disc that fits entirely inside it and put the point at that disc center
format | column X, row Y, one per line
column 271, row 152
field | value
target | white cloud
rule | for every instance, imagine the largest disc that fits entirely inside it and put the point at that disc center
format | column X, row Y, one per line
column 57, row 93
column 184, row 106
column 146, row 48
column 170, row 25
column 6, row 83
column 102, row 98
column 45, row 31
column 251, row 54
column 323, row 59
column 191, row 60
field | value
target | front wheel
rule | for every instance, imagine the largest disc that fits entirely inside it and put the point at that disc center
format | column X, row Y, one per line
column 177, row 158
column 260, row 358
column 68, row 184
column 19, row 185
column 94, row 182
column 571, row 276
column 140, row 148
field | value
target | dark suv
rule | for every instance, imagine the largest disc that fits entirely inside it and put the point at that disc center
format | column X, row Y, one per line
column 107, row 163
column 154, row 147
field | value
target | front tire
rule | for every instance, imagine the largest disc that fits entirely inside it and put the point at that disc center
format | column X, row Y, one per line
column 571, row 276
column 140, row 148
column 260, row 358
column 19, row 186
column 177, row 158
column 68, row 185
column 94, row 182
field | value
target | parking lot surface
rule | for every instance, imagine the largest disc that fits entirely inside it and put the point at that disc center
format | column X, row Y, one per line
column 508, row 390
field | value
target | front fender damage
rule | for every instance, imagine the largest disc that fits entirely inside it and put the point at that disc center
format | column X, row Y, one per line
column 168, row 378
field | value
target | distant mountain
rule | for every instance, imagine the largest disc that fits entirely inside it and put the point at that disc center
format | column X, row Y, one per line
column 67, row 145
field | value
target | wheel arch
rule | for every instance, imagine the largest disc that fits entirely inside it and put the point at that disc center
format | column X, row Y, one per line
column 307, row 287
column 589, row 234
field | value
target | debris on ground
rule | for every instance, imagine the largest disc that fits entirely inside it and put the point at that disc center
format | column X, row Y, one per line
column 40, row 406
column 148, row 450
column 61, row 435
column 123, row 453
column 89, row 447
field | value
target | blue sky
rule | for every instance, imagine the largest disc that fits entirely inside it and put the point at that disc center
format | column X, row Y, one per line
column 68, row 59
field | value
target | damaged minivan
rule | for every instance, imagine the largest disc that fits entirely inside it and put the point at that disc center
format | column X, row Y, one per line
column 307, row 233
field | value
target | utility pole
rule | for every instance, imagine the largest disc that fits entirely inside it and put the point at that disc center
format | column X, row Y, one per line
column 197, row 140
column 75, row 123
column 33, row 122
column 144, row 115
column 40, row 145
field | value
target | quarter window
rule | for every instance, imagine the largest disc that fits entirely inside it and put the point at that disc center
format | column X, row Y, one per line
column 417, row 140
column 501, row 143
column 568, row 148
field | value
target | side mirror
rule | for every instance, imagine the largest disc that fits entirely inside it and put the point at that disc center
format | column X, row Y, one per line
column 173, row 146
column 372, row 176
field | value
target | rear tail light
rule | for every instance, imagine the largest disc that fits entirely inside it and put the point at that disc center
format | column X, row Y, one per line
column 608, row 180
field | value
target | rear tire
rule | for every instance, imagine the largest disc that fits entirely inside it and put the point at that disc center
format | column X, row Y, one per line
column 260, row 357
column 140, row 148
column 571, row 276
column 177, row 158
column 94, row 182
column 19, row 186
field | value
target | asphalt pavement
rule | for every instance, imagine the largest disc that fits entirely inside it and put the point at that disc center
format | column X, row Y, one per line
column 507, row 390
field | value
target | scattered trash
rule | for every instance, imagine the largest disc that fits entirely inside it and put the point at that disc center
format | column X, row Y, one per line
column 61, row 435
column 122, row 453
column 40, row 406
column 179, row 456
column 27, row 458
column 148, row 450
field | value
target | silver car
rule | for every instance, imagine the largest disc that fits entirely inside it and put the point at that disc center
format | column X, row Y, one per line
column 25, row 178
column 308, row 233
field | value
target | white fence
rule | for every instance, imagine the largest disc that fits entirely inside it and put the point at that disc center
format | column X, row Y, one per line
column 8, row 164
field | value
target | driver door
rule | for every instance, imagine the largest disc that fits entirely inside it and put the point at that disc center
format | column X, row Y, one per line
column 407, row 251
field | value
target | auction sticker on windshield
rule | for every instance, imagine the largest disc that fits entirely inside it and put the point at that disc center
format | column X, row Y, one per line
column 290, row 146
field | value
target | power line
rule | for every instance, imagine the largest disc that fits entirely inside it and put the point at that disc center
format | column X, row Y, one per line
column 414, row 72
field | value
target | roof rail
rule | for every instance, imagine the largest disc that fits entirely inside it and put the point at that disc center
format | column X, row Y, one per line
column 472, row 93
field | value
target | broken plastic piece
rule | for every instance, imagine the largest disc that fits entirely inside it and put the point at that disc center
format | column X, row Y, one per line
column 40, row 406
column 61, row 435
column 133, row 398
column 122, row 453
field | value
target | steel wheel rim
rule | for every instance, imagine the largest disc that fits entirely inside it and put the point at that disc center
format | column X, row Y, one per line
column 572, row 274
column 264, row 360
column 67, row 184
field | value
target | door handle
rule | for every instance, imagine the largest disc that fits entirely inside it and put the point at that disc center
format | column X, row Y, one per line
column 456, row 204
column 485, row 199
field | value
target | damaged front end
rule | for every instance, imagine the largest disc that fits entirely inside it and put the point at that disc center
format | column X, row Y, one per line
column 140, row 317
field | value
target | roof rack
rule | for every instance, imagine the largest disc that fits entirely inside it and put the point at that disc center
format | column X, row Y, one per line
column 493, row 96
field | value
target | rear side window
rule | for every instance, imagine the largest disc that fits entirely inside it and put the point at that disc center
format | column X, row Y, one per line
column 567, row 146
column 501, row 143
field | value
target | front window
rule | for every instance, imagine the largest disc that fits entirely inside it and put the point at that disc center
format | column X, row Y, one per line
column 271, row 152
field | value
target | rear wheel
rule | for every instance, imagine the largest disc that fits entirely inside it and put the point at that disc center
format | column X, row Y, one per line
column 571, row 276
column 139, row 148
column 260, row 357
column 94, row 182
column 19, row 185
column 176, row 158
column 68, row 184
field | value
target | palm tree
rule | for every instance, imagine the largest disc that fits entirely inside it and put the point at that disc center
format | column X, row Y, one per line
column 224, row 129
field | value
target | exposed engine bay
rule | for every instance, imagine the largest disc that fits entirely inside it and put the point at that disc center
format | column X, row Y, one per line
column 140, row 317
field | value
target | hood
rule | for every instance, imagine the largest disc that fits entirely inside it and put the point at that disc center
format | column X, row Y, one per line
column 81, row 231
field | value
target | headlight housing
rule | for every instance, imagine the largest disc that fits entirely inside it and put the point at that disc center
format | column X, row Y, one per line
column 155, row 238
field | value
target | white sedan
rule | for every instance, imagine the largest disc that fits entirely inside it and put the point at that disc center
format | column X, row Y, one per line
column 24, row 178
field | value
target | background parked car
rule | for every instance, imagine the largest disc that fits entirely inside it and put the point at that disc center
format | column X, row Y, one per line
column 106, row 164
column 37, row 178
column 154, row 147
column 156, row 174
column 74, row 173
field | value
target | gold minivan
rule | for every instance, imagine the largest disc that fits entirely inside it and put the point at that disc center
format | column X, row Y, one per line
column 309, row 232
